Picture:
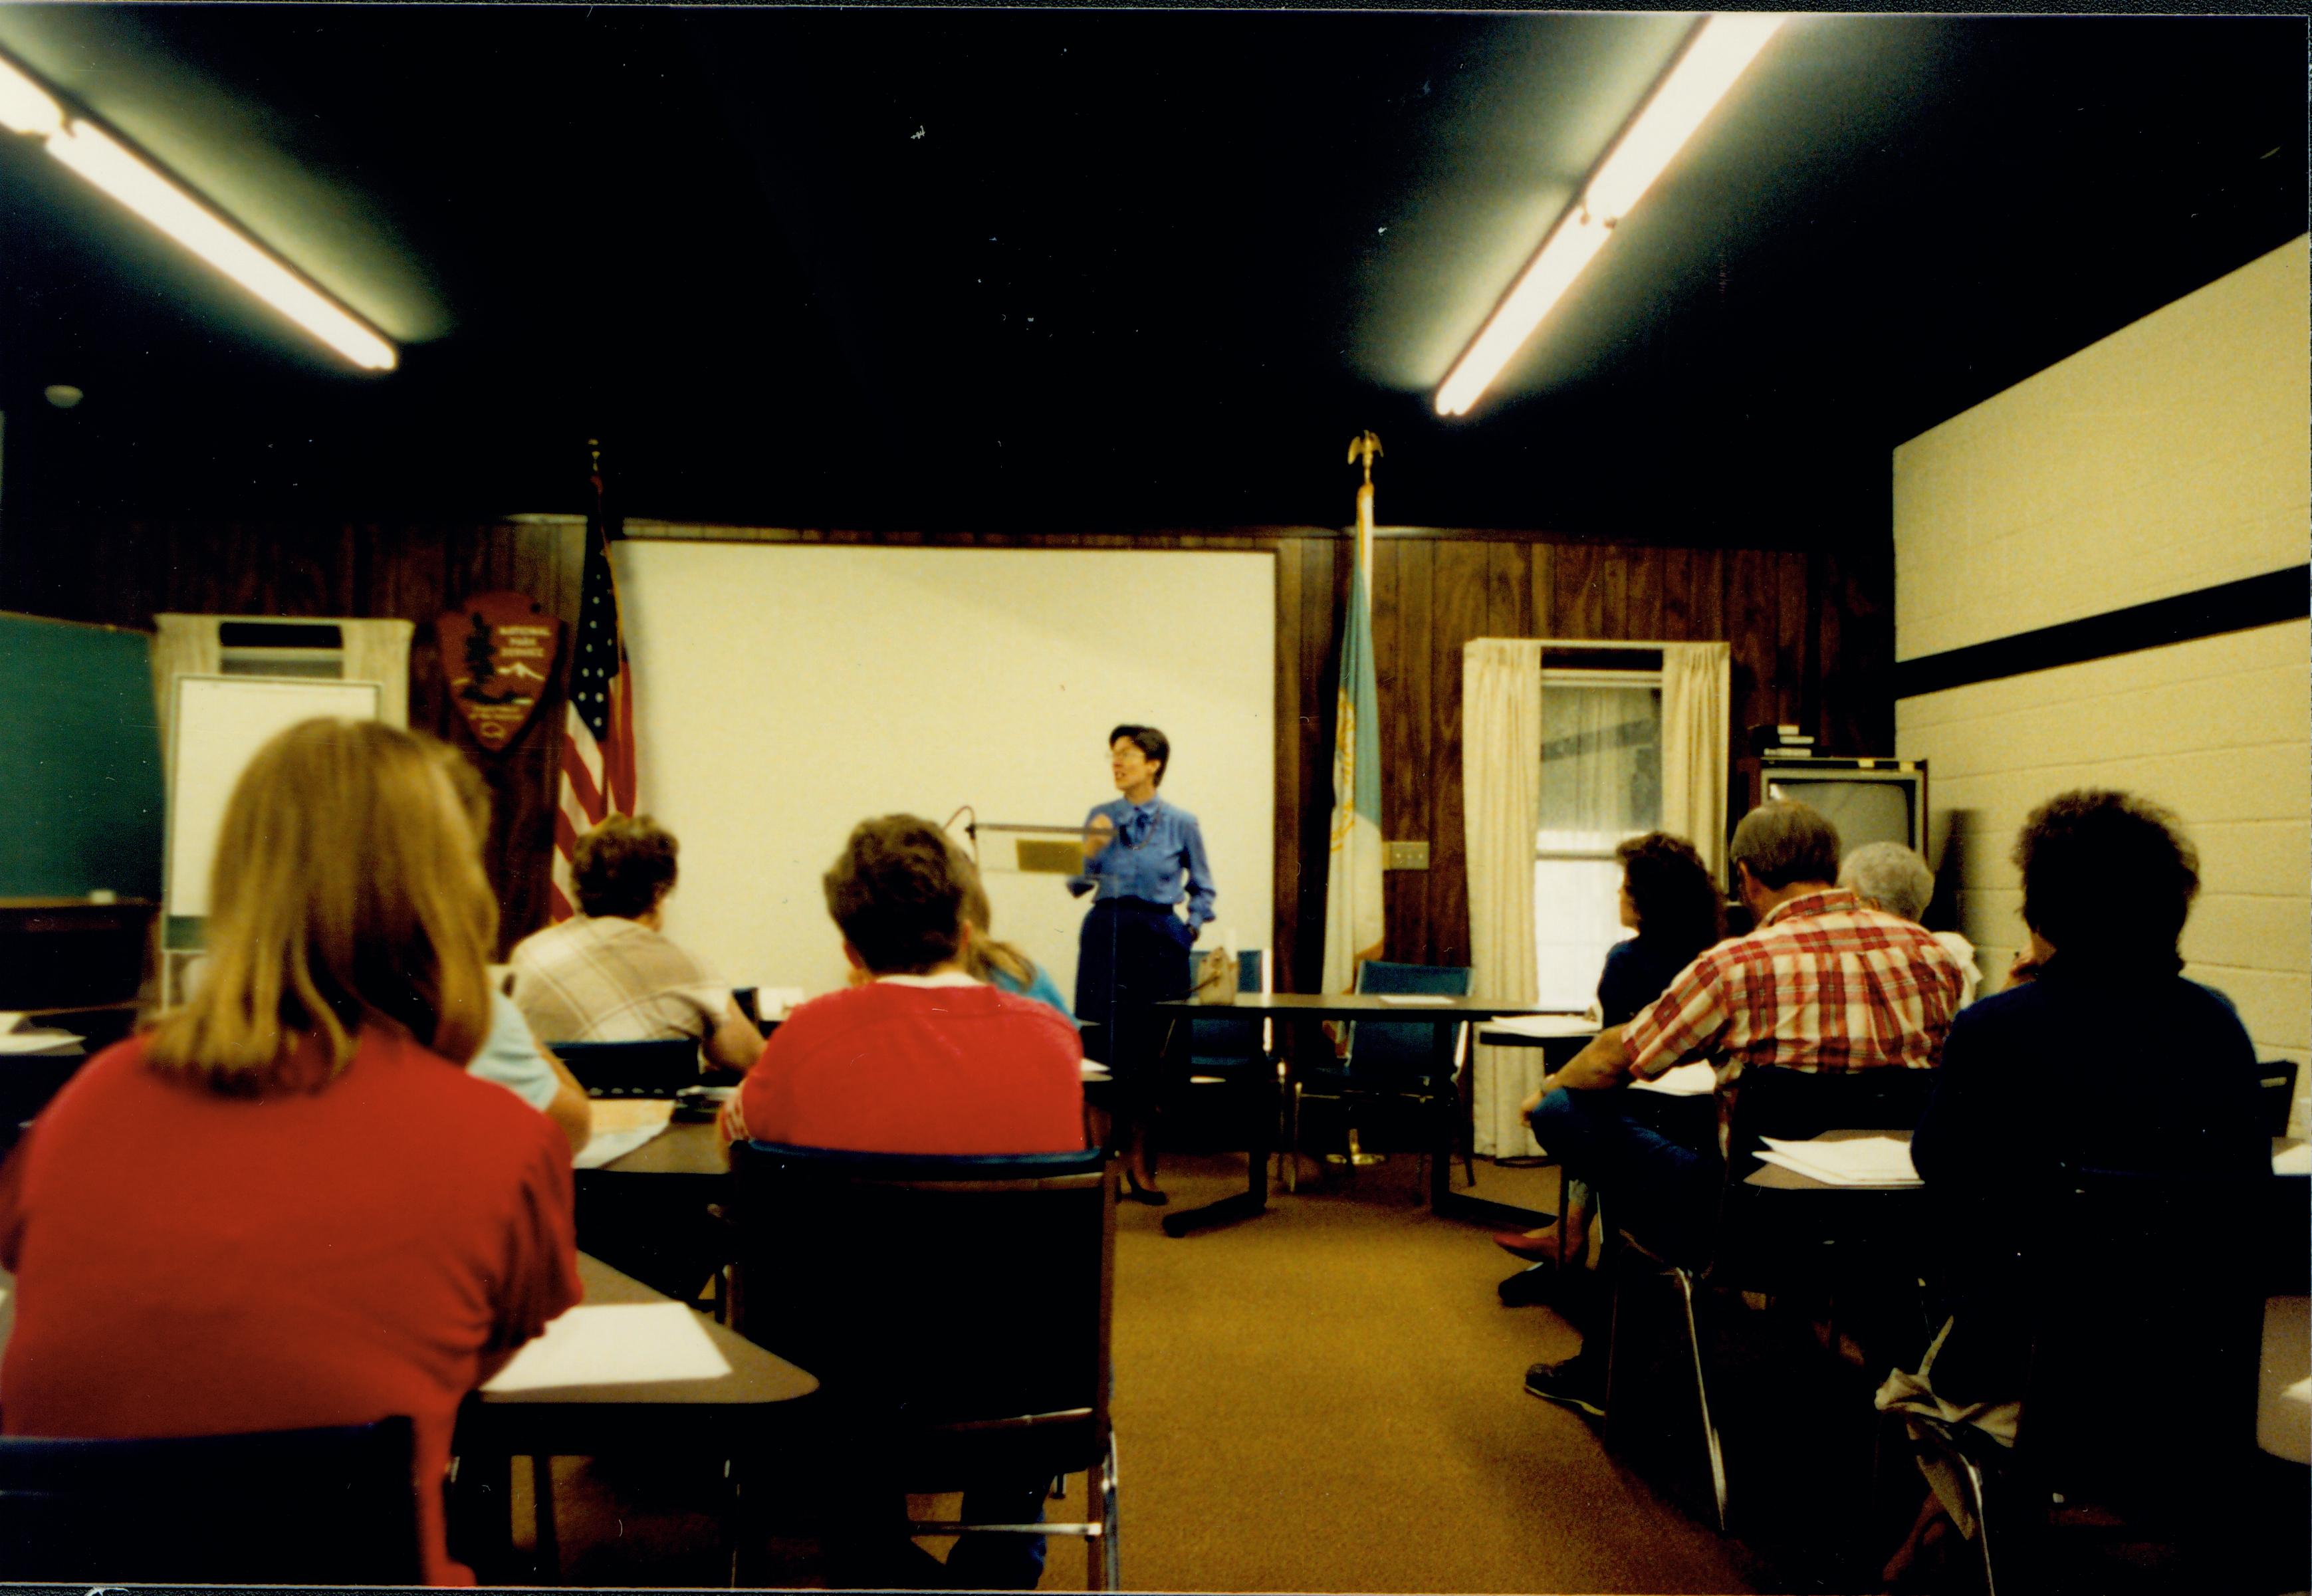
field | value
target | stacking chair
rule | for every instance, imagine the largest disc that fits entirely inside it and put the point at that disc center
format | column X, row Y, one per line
column 1224, row 1054
column 2140, row 1392
column 631, row 1069
column 1781, row 1240
column 1410, row 1062
column 305, row 1507
column 976, row 1353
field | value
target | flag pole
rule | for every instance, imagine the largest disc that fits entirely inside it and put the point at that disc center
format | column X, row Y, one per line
column 1353, row 919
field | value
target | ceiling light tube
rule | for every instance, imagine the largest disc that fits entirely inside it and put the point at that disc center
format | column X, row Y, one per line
column 103, row 161
column 1720, row 48
column 25, row 107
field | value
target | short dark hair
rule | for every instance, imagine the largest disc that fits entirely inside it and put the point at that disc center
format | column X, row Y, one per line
column 897, row 890
column 1786, row 841
column 2108, row 878
column 1679, row 904
column 624, row 866
column 1150, row 742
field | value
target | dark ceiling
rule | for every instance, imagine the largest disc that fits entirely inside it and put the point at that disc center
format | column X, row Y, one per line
column 1096, row 268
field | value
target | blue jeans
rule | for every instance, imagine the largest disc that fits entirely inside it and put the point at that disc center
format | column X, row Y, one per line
column 1653, row 1158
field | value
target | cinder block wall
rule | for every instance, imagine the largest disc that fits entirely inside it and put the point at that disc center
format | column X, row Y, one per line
column 2167, row 458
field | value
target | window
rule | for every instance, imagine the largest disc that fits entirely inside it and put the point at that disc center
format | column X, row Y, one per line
column 1600, row 783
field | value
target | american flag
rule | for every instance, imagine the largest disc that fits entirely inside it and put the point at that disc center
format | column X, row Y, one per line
column 598, row 731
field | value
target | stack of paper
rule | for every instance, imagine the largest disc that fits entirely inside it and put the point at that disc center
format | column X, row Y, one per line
column 1545, row 1025
column 1416, row 1000
column 1847, row 1157
column 21, row 1039
column 1687, row 1080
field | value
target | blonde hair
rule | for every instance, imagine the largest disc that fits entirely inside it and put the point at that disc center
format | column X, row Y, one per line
column 348, row 891
column 984, row 953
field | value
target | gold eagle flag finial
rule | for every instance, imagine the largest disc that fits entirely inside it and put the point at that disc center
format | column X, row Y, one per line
column 1365, row 448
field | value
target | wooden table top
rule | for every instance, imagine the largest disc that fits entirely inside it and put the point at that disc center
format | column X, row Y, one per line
column 684, row 1147
column 1346, row 1006
column 757, row 1376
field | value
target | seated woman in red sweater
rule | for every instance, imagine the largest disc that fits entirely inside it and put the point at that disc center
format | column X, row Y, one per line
column 288, row 1205
column 922, row 1058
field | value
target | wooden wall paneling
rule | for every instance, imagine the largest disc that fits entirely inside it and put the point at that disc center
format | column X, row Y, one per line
column 1643, row 573
column 1580, row 602
column 1800, row 695
column 1750, row 622
column 1508, row 591
column 1541, row 584
column 1693, row 595
column 1611, row 577
column 1458, row 609
column 1853, row 613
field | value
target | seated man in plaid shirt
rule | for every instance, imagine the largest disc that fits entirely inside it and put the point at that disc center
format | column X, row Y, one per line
column 1823, row 983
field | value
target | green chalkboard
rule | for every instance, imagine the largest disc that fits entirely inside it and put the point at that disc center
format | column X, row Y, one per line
column 81, row 794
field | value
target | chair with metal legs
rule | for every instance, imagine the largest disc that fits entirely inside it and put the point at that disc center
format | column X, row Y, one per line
column 1779, row 1240
column 1411, row 1062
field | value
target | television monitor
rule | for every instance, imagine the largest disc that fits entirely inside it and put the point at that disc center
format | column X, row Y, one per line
column 1868, row 800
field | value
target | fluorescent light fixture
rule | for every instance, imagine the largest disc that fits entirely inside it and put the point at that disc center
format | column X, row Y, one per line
column 1721, row 47
column 25, row 107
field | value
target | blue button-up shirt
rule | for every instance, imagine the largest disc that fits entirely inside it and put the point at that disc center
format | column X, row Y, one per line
column 1155, row 843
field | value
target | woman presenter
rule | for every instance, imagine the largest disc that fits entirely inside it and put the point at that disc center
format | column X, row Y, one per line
column 1142, row 857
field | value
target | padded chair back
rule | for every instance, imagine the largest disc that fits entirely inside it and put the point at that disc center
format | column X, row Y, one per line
column 1793, row 1105
column 1382, row 1053
column 2276, row 1078
column 305, row 1507
column 2147, row 1322
column 941, row 1302
column 1221, row 1041
column 1770, row 1238
column 631, row 1069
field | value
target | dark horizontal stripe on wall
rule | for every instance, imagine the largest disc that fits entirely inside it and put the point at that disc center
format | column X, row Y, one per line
column 2229, row 607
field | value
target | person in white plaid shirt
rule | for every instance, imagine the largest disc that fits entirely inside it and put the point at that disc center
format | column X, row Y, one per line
column 1825, row 983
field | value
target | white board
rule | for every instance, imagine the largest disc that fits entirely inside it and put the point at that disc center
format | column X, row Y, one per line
column 220, row 722
column 785, row 692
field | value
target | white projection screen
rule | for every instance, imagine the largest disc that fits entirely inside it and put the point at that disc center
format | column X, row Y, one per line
column 785, row 691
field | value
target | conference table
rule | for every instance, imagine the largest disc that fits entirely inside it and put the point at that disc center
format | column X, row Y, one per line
column 1313, row 1008
column 630, row 1404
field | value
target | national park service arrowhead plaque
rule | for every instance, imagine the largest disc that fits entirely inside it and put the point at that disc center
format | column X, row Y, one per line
column 497, row 652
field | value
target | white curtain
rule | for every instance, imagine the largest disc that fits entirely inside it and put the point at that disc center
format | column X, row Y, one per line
column 1501, row 790
column 1696, row 690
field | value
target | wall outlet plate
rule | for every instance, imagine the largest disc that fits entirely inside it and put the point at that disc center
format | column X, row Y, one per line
column 1404, row 855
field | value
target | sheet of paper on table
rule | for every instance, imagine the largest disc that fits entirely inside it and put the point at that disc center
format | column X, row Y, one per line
column 1847, row 1158
column 19, row 1036
column 1687, row 1080
column 615, row 1344
column 1415, row 1000
column 1546, row 1025
column 621, row 1124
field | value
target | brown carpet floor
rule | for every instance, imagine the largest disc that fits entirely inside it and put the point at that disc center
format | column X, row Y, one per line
column 1324, row 1398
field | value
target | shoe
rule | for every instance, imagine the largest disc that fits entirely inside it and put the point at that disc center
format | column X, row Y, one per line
column 1536, row 1282
column 1518, row 1244
column 1149, row 1194
column 1576, row 1382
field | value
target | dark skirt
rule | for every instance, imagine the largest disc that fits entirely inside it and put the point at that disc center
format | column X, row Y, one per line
column 1132, row 953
